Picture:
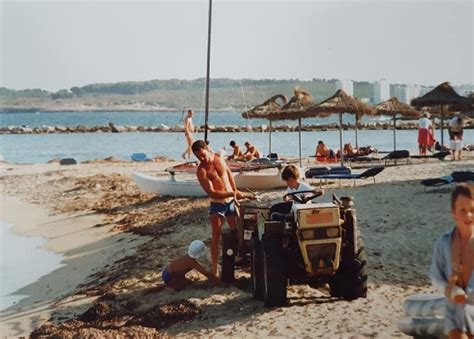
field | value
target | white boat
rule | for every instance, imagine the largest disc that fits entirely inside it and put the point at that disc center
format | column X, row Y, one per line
column 259, row 180
column 170, row 186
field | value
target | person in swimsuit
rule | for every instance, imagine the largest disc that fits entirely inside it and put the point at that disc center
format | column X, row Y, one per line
column 174, row 274
column 217, row 181
column 252, row 152
column 188, row 133
column 236, row 152
column 452, row 266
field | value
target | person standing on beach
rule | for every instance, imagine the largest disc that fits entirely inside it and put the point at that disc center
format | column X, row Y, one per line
column 216, row 179
column 452, row 266
column 455, row 130
column 425, row 134
column 188, row 133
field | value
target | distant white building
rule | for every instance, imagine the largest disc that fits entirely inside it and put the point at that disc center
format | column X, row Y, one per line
column 402, row 92
column 381, row 91
column 346, row 85
column 414, row 91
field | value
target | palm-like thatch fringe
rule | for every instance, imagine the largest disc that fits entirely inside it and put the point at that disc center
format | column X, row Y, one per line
column 271, row 105
column 340, row 102
column 393, row 106
column 442, row 94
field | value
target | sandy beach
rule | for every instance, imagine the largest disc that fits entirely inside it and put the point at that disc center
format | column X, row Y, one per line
column 115, row 241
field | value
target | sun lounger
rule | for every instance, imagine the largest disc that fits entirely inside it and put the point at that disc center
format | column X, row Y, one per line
column 455, row 177
column 139, row 157
column 369, row 173
column 438, row 155
column 313, row 172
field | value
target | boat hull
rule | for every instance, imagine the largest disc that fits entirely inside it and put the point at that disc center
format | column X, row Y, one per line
column 168, row 187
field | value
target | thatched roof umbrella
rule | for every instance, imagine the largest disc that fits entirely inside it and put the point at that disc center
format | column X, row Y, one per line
column 392, row 107
column 341, row 103
column 295, row 109
column 443, row 95
column 272, row 105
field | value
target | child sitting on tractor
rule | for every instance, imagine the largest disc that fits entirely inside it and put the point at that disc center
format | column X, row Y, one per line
column 291, row 176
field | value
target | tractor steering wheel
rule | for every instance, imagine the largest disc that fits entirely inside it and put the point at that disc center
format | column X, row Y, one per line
column 296, row 196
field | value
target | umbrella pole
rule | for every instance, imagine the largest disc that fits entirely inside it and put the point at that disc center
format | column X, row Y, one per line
column 442, row 126
column 270, row 138
column 357, row 139
column 299, row 137
column 394, row 132
column 340, row 140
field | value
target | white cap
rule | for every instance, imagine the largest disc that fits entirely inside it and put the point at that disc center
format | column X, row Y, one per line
column 196, row 249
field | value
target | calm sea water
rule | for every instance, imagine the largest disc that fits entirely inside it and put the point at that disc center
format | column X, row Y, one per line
column 22, row 262
column 141, row 118
column 43, row 147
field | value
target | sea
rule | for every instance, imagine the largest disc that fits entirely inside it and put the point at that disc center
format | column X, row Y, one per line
column 39, row 148
column 22, row 262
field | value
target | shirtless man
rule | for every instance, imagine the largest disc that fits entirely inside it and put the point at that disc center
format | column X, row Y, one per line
column 188, row 132
column 323, row 151
column 236, row 153
column 216, row 179
column 252, row 152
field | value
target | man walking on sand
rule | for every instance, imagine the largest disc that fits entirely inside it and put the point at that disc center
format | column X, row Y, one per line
column 216, row 179
column 188, row 133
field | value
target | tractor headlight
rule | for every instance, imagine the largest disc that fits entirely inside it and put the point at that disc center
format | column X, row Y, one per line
column 307, row 234
column 332, row 232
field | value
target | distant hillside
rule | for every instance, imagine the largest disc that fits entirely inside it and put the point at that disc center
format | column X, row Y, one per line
column 173, row 94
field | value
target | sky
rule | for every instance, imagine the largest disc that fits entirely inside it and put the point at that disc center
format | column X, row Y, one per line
column 61, row 44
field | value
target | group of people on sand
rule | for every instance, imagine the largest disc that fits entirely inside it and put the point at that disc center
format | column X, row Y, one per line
column 348, row 151
column 427, row 141
column 251, row 152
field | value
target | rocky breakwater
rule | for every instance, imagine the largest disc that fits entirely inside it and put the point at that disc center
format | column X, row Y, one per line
column 112, row 128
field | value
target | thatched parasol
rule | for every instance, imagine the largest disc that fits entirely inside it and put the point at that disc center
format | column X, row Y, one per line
column 295, row 109
column 341, row 103
column 272, row 105
column 442, row 95
column 393, row 107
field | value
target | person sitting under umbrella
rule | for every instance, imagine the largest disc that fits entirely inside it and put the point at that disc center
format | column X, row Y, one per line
column 349, row 151
column 236, row 152
column 252, row 152
column 323, row 151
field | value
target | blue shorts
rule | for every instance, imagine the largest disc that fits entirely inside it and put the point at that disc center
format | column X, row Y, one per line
column 166, row 276
column 222, row 209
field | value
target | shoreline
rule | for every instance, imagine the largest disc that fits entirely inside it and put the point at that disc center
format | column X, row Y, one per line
column 84, row 247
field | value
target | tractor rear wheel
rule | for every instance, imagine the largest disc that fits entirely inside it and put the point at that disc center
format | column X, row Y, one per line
column 350, row 280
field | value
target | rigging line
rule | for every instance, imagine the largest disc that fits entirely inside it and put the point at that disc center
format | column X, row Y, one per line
column 245, row 103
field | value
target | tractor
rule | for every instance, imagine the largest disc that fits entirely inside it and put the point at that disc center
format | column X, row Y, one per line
column 311, row 243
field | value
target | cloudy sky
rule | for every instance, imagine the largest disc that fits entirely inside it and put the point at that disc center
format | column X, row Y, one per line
column 54, row 45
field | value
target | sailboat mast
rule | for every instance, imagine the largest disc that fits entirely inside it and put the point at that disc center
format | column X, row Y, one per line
column 206, row 111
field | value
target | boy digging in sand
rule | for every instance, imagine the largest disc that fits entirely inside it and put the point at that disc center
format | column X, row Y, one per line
column 452, row 267
column 174, row 274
